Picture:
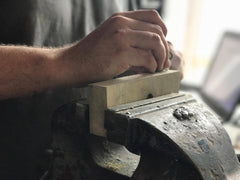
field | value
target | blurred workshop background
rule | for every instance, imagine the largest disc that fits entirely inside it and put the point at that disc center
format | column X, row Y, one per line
column 195, row 27
column 207, row 32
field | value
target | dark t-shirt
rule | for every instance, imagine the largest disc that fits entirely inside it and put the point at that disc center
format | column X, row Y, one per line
column 25, row 122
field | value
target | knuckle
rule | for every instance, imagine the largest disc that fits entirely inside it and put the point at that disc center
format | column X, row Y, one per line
column 154, row 13
column 157, row 19
column 120, row 35
column 158, row 30
column 118, row 20
column 121, row 32
column 119, row 38
column 165, row 29
column 116, row 14
column 156, row 38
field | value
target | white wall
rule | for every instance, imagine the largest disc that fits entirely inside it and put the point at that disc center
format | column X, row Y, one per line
column 217, row 16
column 175, row 18
column 195, row 27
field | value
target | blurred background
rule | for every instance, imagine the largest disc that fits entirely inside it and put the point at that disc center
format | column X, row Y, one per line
column 207, row 32
column 196, row 27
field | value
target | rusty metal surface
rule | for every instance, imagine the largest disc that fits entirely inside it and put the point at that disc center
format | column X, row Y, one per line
column 190, row 145
column 72, row 158
column 197, row 139
column 113, row 157
column 77, row 155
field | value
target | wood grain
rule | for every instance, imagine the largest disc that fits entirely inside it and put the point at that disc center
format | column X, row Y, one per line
column 125, row 90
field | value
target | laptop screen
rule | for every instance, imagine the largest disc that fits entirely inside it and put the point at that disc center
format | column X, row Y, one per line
column 222, row 85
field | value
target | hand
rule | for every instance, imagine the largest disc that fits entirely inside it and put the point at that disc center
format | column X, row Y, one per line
column 127, row 40
column 177, row 61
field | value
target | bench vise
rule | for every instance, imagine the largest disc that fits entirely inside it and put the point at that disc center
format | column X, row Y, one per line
column 142, row 128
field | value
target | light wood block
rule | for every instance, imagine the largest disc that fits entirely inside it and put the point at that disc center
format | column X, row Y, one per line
column 125, row 90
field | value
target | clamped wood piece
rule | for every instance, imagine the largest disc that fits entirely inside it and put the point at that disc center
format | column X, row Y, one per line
column 125, row 90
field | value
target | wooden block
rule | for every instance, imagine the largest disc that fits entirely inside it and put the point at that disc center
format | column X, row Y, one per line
column 125, row 90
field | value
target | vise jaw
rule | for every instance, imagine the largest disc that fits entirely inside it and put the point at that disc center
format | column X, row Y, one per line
column 125, row 90
column 194, row 134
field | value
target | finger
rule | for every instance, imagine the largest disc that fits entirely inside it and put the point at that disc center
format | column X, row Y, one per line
column 145, row 26
column 150, row 16
column 141, row 60
column 148, row 41
column 136, row 69
column 167, row 63
column 121, row 22
column 170, row 50
column 170, row 44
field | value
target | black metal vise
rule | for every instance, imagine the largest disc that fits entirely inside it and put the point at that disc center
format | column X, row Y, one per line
column 166, row 137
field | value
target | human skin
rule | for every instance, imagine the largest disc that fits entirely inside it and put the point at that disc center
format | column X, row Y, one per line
column 133, row 40
column 177, row 62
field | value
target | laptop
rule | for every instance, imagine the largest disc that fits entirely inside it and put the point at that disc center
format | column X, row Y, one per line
column 221, row 88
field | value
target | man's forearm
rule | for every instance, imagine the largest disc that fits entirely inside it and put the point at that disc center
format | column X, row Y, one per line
column 125, row 41
column 26, row 70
